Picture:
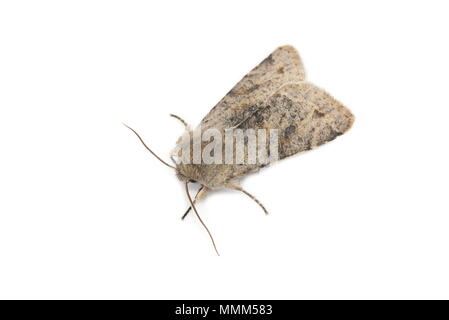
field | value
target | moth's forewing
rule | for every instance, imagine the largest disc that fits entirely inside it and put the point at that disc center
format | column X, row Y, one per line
column 280, row 67
column 305, row 115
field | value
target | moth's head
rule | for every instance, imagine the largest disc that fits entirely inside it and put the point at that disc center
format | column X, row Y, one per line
column 181, row 176
column 187, row 172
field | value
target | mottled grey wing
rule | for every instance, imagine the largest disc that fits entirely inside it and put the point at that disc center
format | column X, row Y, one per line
column 306, row 117
column 279, row 68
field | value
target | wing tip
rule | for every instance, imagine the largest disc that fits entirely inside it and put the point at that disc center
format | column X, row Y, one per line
column 287, row 47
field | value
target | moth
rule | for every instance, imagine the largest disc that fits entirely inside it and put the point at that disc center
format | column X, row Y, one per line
column 272, row 96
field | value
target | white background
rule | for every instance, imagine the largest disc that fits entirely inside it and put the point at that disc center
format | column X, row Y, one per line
column 86, row 212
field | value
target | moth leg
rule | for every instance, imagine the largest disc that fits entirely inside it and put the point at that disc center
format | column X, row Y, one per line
column 239, row 188
column 199, row 195
column 186, row 125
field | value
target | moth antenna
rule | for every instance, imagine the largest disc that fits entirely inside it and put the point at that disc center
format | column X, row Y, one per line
column 186, row 125
column 194, row 200
column 141, row 140
column 199, row 218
